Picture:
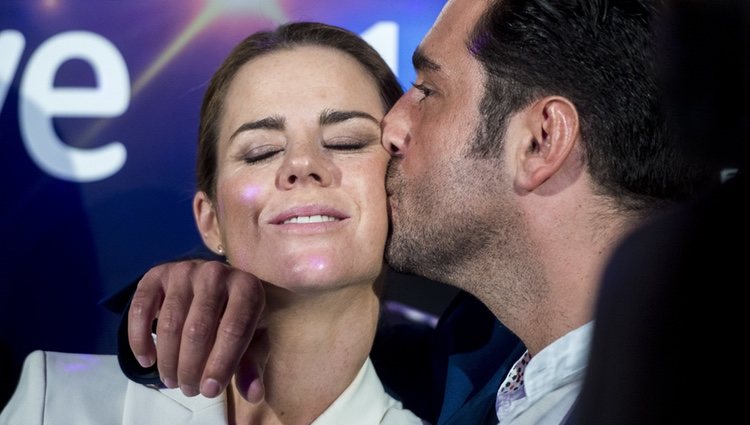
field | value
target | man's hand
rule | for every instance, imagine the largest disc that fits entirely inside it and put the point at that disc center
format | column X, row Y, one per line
column 207, row 314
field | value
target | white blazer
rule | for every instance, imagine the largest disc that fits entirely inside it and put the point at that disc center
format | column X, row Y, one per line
column 85, row 389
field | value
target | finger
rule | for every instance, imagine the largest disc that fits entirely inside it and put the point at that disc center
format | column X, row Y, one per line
column 198, row 334
column 171, row 321
column 241, row 316
column 249, row 376
column 144, row 308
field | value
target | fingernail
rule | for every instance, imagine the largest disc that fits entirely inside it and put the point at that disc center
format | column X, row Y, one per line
column 145, row 361
column 210, row 388
column 189, row 390
column 169, row 383
column 255, row 392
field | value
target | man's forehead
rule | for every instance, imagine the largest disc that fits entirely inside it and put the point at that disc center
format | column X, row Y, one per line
column 459, row 16
column 446, row 41
column 452, row 28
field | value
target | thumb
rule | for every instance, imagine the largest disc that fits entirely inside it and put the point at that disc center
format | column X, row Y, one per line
column 249, row 375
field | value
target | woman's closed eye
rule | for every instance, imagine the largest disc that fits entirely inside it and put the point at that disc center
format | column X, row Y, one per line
column 260, row 154
column 346, row 144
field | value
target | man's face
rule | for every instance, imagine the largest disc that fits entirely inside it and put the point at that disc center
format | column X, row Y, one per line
column 443, row 200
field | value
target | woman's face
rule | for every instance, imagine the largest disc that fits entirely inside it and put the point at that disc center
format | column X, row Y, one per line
column 300, row 198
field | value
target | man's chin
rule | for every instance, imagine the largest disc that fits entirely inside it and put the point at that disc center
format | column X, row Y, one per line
column 394, row 256
column 400, row 257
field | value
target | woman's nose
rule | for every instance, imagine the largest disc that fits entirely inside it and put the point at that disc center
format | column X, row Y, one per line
column 305, row 165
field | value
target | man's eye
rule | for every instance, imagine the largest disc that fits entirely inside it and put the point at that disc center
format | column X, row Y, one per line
column 426, row 91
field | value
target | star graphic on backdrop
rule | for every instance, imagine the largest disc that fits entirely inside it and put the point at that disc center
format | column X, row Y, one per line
column 213, row 9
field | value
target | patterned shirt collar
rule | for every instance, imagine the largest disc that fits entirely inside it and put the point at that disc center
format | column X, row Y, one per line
column 531, row 378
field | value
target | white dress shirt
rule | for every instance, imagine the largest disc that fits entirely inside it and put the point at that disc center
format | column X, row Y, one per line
column 551, row 382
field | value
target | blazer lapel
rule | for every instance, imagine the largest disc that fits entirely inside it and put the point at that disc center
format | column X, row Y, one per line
column 473, row 406
column 479, row 351
column 149, row 406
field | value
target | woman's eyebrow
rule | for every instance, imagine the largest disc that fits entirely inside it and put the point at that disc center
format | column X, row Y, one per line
column 268, row 123
column 329, row 116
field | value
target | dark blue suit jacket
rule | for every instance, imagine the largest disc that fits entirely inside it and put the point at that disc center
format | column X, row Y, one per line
column 448, row 375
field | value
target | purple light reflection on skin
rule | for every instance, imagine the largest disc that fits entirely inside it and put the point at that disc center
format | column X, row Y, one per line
column 250, row 193
column 313, row 263
column 318, row 263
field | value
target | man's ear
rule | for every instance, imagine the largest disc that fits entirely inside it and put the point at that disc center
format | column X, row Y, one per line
column 552, row 130
column 208, row 223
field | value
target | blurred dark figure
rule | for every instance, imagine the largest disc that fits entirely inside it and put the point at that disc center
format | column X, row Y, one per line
column 651, row 360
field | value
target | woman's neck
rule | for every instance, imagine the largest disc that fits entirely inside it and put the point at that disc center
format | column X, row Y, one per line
column 317, row 344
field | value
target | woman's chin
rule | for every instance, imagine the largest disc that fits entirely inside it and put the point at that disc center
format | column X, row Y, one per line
column 318, row 273
column 311, row 281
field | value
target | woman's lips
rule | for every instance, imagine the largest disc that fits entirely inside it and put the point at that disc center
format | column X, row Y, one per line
column 312, row 214
column 310, row 219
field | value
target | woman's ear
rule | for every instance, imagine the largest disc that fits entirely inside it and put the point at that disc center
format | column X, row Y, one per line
column 208, row 223
column 552, row 130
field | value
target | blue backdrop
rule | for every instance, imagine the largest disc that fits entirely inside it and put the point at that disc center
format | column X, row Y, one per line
column 99, row 105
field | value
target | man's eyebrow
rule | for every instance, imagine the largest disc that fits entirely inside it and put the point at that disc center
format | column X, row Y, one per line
column 423, row 63
column 269, row 123
column 329, row 116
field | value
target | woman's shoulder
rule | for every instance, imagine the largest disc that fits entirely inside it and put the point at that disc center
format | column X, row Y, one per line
column 77, row 363
column 97, row 372
column 56, row 385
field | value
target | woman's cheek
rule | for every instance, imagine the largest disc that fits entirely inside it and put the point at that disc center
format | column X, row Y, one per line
column 250, row 193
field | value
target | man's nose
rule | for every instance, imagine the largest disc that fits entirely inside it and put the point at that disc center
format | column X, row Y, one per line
column 396, row 126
